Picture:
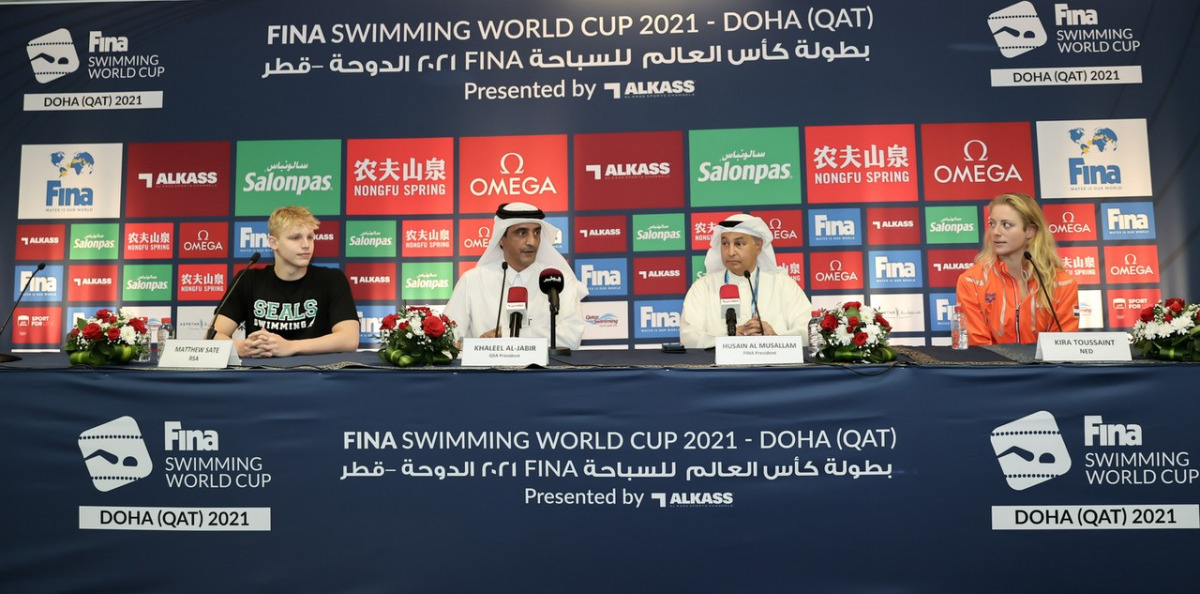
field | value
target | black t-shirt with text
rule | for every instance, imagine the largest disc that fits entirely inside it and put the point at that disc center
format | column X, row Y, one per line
column 305, row 308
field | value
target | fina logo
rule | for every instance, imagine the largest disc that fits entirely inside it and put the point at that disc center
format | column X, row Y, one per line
column 1102, row 140
column 52, row 56
column 1031, row 450
column 1017, row 29
column 513, row 184
column 974, row 172
column 115, row 454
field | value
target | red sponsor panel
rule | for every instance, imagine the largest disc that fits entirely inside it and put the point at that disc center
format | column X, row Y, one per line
column 202, row 282
column 37, row 325
column 833, row 271
column 204, row 240
column 474, row 236
column 786, row 226
column 177, row 179
column 41, row 242
column 659, row 276
column 426, row 238
column 399, row 176
column 1083, row 263
column 976, row 161
column 373, row 281
column 1131, row 264
column 945, row 266
column 465, row 265
column 861, row 163
column 893, row 226
column 92, row 283
column 702, row 227
column 601, row 234
column 1125, row 305
column 793, row 264
column 1071, row 222
column 499, row 169
column 327, row 240
column 631, row 170
column 149, row 241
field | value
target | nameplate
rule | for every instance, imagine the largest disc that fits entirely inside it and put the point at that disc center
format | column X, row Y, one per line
column 505, row 352
column 1083, row 347
column 759, row 350
column 197, row 354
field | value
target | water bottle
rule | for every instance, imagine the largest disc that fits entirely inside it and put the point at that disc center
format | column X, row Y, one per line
column 165, row 333
column 958, row 329
column 815, row 341
column 152, row 335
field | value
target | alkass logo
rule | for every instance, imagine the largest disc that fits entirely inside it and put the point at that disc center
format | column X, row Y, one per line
column 628, row 170
column 400, row 176
column 115, row 454
column 893, row 226
column 659, row 276
column 503, row 169
column 704, row 224
column 149, row 240
column 92, row 283
column 327, row 241
column 786, row 226
column 1071, row 222
column 861, row 163
column 1083, row 263
column 52, row 56
column 475, row 235
column 427, row 238
column 177, row 179
column 945, row 266
column 1017, row 29
column 646, row 89
column 1030, row 450
column 204, row 240
column 976, row 161
column 202, row 282
column 373, row 281
column 836, row 270
column 1125, row 306
column 41, row 242
column 1131, row 264
column 601, row 234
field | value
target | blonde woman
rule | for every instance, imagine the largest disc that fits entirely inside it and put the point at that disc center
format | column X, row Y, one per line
column 1017, row 287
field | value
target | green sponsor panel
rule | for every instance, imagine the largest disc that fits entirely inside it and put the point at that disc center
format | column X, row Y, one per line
column 698, row 271
column 659, row 232
column 147, row 282
column 748, row 166
column 371, row 239
column 99, row 241
column 951, row 224
column 426, row 281
column 274, row 173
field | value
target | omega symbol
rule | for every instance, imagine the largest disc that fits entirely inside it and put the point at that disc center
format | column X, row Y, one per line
column 983, row 155
column 1130, row 259
column 504, row 164
column 1068, row 217
column 835, row 265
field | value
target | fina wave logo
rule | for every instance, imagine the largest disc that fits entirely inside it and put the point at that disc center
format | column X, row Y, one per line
column 1031, row 450
column 52, row 56
column 1017, row 29
column 115, row 454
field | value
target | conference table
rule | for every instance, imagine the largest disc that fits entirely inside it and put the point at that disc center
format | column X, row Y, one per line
column 605, row 471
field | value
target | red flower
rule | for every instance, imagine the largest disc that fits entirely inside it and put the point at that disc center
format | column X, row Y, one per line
column 389, row 322
column 93, row 332
column 112, row 319
column 433, row 326
column 860, row 338
column 882, row 322
column 114, row 333
column 102, row 314
column 852, row 322
column 829, row 322
column 852, row 305
column 1175, row 304
column 1148, row 314
column 1168, row 317
column 425, row 311
column 403, row 326
column 74, row 331
column 138, row 324
column 444, row 318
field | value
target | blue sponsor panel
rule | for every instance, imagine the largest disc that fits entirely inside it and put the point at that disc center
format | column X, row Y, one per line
column 657, row 318
column 1128, row 220
column 896, row 269
column 941, row 307
column 369, row 319
column 562, row 243
column 46, row 285
column 250, row 237
column 604, row 277
column 835, row 226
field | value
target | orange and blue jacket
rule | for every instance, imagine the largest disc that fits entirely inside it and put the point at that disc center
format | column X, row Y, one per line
column 996, row 314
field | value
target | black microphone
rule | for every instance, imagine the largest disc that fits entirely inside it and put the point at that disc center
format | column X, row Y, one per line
column 503, row 281
column 753, row 293
column 212, row 326
column 550, row 281
column 1041, row 281
column 731, row 302
column 5, row 357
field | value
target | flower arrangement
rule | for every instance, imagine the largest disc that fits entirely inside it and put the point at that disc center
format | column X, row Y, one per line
column 1168, row 330
column 417, row 337
column 106, row 338
column 854, row 332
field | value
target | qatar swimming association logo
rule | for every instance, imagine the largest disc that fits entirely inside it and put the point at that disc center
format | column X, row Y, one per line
column 1031, row 450
column 115, row 454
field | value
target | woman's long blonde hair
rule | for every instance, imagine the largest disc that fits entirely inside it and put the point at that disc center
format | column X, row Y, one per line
column 1042, row 247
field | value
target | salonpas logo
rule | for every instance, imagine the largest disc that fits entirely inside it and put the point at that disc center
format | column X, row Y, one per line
column 427, row 280
column 658, row 232
column 952, row 224
column 151, row 282
column 371, row 239
column 271, row 173
column 752, row 165
column 94, row 242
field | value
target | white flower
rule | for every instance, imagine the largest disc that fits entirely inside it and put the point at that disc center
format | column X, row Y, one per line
column 867, row 312
column 124, row 313
column 128, row 335
column 1181, row 324
column 841, row 336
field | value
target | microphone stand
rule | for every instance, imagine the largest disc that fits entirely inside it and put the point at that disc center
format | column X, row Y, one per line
column 500, row 309
column 1042, row 284
column 554, row 348
column 6, row 357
